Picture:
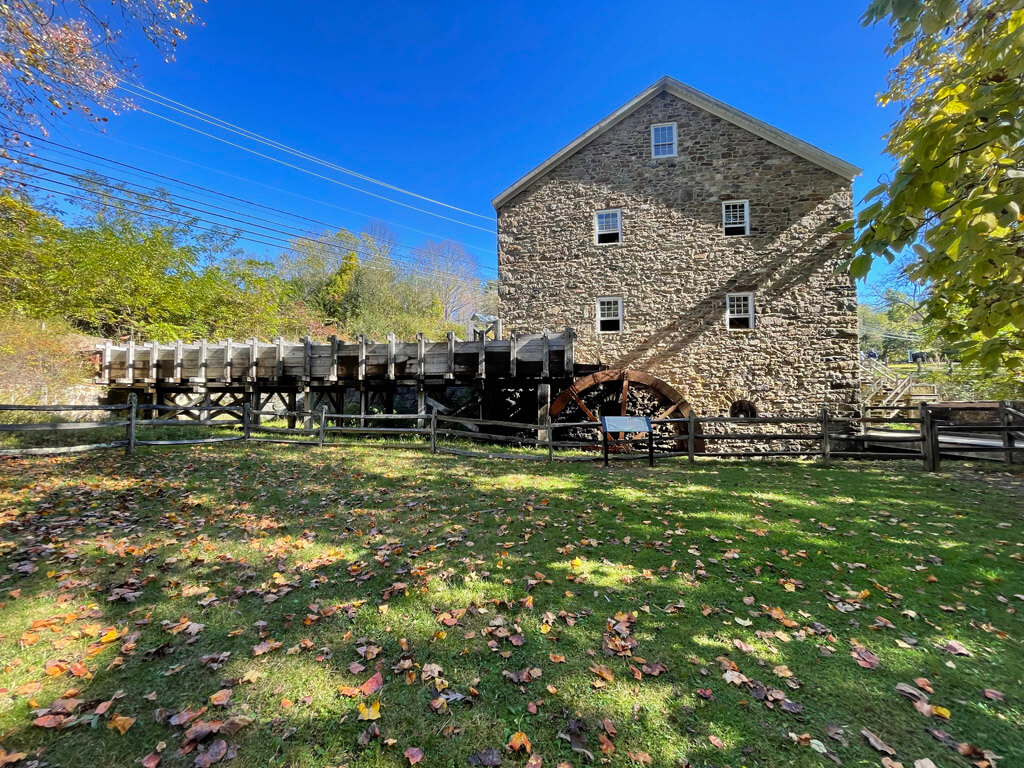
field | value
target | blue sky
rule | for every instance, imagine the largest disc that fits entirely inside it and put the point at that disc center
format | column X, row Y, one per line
column 457, row 104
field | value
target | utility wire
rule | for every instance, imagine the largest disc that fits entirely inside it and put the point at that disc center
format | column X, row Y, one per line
column 281, row 190
column 309, row 172
column 262, row 224
column 281, row 242
column 167, row 102
column 481, row 267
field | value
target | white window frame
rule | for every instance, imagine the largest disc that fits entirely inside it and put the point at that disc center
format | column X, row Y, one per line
column 749, row 295
column 746, row 216
column 598, row 318
column 618, row 217
column 675, row 140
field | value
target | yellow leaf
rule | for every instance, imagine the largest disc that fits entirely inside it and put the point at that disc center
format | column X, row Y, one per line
column 371, row 712
column 121, row 724
column 941, row 712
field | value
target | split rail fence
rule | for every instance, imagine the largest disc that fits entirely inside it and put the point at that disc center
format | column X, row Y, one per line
column 932, row 435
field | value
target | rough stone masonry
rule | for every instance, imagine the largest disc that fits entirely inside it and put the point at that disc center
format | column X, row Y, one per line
column 674, row 264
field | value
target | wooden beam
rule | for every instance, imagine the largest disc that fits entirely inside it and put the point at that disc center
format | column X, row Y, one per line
column 481, row 356
column 391, row 356
column 254, row 360
column 129, row 363
column 421, row 356
column 279, row 357
column 307, row 359
column 154, row 351
column 512, row 355
column 450, row 372
column 361, row 374
column 545, row 354
column 569, row 335
column 229, row 351
column 333, row 375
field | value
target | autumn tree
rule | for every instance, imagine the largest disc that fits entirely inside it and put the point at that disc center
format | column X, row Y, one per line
column 449, row 272
column 954, row 198
column 65, row 57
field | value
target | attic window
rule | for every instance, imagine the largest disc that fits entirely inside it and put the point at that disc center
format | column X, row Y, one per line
column 608, row 226
column 736, row 217
column 739, row 311
column 663, row 140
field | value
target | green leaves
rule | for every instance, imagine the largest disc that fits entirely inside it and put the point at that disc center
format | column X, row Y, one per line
column 954, row 198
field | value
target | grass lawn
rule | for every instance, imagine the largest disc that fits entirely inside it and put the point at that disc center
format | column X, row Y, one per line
column 253, row 605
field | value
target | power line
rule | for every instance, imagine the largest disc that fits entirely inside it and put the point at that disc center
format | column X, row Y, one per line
column 262, row 224
column 165, row 101
column 281, row 243
column 477, row 265
column 309, row 172
column 246, row 180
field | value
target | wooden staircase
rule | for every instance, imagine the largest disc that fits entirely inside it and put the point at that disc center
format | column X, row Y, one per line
column 887, row 393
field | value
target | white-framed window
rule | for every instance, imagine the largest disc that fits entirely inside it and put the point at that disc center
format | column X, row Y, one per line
column 739, row 311
column 608, row 226
column 736, row 217
column 609, row 314
column 663, row 140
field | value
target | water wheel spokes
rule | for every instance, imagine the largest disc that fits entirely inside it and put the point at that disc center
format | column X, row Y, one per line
column 620, row 392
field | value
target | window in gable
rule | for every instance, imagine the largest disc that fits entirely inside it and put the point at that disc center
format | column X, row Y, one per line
column 736, row 217
column 609, row 314
column 663, row 140
column 608, row 226
column 739, row 311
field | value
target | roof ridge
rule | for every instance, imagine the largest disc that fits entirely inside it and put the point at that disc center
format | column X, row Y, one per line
column 700, row 100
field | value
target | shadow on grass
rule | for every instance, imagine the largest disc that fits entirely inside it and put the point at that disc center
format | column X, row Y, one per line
column 280, row 534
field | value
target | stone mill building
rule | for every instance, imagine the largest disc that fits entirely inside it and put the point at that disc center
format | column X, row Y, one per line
column 684, row 238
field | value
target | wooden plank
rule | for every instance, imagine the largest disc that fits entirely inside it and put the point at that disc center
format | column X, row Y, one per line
column 179, row 360
column 56, row 426
column 129, row 364
column 307, row 358
column 570, row 350
column 105, row 363
column 254, row 359
column 154, row 351
column 512, row 354
column 227, row 371
column 57, row 451
column 333, row 375
column 928, row 443
column 545, row 354
column 481, row 356
column 391, row 356
column 54, row 408
column 450, row 368
column 421, row 357
column 362, row 357
column 279, row 357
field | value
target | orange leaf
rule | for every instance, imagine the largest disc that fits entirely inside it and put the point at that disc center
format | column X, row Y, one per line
column 519, row 741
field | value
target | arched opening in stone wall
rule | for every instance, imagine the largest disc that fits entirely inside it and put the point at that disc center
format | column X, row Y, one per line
column 742, row 409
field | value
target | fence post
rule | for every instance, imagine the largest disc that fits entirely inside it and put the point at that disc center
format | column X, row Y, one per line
column 133, row 402
column 433, row 431
column 928, row 444
column 246, row 419
column 826, row 442
column 1004, row 422
column 650, row 447
column 691, row 427
column 551, row 441
column 604, row 444
column 323, row 426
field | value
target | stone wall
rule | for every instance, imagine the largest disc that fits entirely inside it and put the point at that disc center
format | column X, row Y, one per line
column 674, row 265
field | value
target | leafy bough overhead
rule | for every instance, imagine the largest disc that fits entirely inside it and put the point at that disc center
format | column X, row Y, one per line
column 956, row 193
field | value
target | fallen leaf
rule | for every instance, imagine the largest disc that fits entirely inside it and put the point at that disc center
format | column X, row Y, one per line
column 876, row 742
column 121, row 723
column 371, row 712
column 519, row 741
column 413, row 755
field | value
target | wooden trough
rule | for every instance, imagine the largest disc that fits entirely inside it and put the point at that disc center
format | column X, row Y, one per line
column 485, row 377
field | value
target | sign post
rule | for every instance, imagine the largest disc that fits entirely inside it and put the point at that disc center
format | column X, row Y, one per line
column 635, row 424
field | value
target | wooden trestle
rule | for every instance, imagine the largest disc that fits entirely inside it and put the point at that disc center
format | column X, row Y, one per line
column 483, row 377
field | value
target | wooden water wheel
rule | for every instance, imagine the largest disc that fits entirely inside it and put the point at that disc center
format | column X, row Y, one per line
column 620, row 392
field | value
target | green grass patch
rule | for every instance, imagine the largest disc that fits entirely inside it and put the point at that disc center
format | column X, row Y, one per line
column 736, row 593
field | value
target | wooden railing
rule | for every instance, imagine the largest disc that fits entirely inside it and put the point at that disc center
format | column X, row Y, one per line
column 926, row 436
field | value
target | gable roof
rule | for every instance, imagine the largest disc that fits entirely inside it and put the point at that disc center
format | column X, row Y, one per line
column 698, row 99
